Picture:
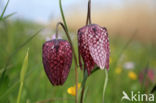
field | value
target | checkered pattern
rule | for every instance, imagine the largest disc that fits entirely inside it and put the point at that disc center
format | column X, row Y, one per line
column 57, row 60
column 93, row 46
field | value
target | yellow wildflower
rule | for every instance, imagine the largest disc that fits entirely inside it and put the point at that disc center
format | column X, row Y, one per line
column 118, row 70
column 132, row 75
column 72, row 90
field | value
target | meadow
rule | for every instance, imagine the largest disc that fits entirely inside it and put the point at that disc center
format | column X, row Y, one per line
column 36, row 85
column 130, row 58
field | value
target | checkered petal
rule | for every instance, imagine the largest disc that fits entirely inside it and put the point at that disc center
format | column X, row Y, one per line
column 99, row 45
column 57, row 60
column 84, row 49
column 94, row 46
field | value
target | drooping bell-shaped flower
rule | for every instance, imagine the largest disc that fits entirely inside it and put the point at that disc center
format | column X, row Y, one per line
column 93, row 46
column 57, row 60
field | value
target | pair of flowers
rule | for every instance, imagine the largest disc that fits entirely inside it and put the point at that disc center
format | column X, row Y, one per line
column 93, row 47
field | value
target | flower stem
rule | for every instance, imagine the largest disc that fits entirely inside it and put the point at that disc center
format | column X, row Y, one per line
column 75, row 59
column 57, row 25
column 62, row 14
column 88, row 21
column 105, row 84
column 69, row 39
column 85, row 76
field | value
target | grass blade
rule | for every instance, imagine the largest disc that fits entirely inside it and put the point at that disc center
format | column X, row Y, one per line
column 1, row 17
column 19, row 48
column 124, row 48
column 11, row 88
column 22, row 75
column 9, row 15
column 24, row 67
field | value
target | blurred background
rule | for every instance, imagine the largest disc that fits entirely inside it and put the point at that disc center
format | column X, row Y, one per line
column 122, row 16
column 131, row 26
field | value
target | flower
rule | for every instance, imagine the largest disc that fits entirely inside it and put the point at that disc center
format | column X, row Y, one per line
column 129, row 65
column 57, row 60
column 72, row 90
column 93, row 46
column 147, row 76
column 118, row 70
column 132, row 75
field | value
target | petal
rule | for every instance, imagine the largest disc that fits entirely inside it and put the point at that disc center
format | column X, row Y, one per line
column 84, row 49
column 94, row 46
column 99, row 45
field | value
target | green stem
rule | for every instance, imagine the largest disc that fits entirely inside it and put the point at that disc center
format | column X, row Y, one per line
column 85, row 76
column 1, row 17
column 62, row 14
column 75, row 59
column 69, row 39
column 105, row 84
column 17, row 50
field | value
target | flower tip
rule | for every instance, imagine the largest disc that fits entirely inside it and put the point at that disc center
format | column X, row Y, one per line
column 102, row 68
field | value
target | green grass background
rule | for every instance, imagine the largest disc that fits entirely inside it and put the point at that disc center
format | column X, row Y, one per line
column 36, row 84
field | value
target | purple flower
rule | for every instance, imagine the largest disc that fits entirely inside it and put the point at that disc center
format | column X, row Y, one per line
column 147, row 76
column 57, row 60
column 93, row 46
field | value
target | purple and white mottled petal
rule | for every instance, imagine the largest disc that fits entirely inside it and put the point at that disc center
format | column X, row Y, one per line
column 98, row 46
column 57, row 59
column 94, row 46
column 84, row 49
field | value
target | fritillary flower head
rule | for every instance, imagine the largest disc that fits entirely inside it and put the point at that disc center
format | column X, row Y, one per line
column 57, row 59
column 93, row 46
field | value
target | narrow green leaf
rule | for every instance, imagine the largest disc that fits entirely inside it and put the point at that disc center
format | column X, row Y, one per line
column 24, row 67
column 18, row 49
column 124, row 48
column 9, row 15
column 1, row 17
column 11, row 88
column 22, row 75
column 85, row 94
column 19, row 92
